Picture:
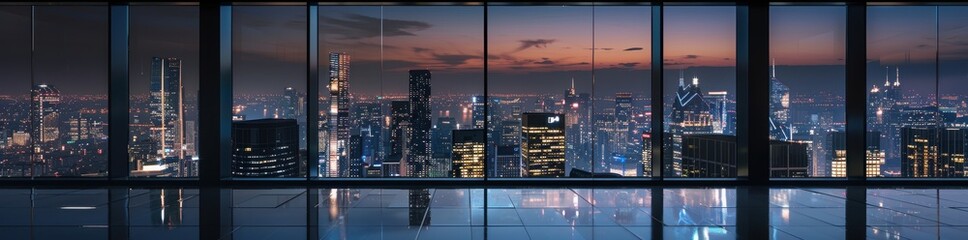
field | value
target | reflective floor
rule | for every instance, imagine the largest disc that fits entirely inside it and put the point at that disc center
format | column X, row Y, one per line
column 692, row 213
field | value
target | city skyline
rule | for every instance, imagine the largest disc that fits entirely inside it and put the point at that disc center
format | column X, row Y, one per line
column 589, row 64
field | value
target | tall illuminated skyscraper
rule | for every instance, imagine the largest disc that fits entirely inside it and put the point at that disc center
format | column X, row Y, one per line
column 468, row 154
column 478, row 109
column 690, row 115
column 44, row 113
column 779, row 109
column 399, row 113
column 543, row 144
column 44, row 118
column 442, row 146
column 339, row 115
column 420, row 123
column 167, row 111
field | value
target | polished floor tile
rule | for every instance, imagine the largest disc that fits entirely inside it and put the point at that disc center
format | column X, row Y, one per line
column 503, row 214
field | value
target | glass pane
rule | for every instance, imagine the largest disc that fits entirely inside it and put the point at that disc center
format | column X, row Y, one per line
column 269, row 106
column 952, row 75
column 807, row 86
column 700, row 120
column 375, row 123
column 902, row 98
column 539, row 90
column 15, row 124
column 622, row 95
column 163, row 129
column 69, row 101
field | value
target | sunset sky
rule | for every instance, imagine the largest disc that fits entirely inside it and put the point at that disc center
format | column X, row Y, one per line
column 530, row 48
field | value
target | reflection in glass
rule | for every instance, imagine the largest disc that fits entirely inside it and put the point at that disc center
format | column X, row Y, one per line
column 700, row 213
column 269, row 95
column 402, row 80
column 540, row 65
column 700, row 121
column 807, row 115
column 163, row 121
column 902, row 101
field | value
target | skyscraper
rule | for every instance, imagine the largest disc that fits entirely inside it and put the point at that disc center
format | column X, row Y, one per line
column 577, row 111
column 368, row 122
column 167, row 111
column 714, row 156
column 508, row 162
column 290, row 104
column 779, row 109
column 44, row 118
column 874, row 153
column 355, row 162
column 932, row 152
column 420, row 123
column 468, row 154
column 441, row 146
column 883, row 113
column 690, row 115
column 479, row 116
column 265, row 148
column 543, row 144
column 44, row 113
column 399, row 113
column 339, row 114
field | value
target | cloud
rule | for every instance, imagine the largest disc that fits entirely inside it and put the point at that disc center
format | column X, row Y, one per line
column 355, row 26
column 633, row 49
column 603, row 49
column 690, row 56
column 419, row 50
column 454, row 59
column 545, row 61
column 535, row 43
column 628, row 65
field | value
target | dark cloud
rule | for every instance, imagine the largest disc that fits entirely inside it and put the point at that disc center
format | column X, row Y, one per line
column 535, row 43
column 690, row 56
column 545, row 61
column 454, row 59
column 628, row 65
column 603, row 49
column 355, row 26
column 633, row 49
column 419, row 50
column 671, row 62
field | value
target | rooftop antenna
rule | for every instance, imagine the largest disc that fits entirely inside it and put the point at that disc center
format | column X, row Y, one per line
column 887, row 74
column 897, row 77
column 681, row 81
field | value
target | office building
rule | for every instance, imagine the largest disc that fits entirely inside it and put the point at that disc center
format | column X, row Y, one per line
column 265, row 148
column 543, row 144
column 468, row 154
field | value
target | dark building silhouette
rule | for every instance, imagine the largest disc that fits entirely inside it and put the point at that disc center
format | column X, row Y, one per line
column 714, row 156
column 508, row 162
column 420, row 124
column 418, row 207
column 399, row 113
column 441, row 146
column 265, row 148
